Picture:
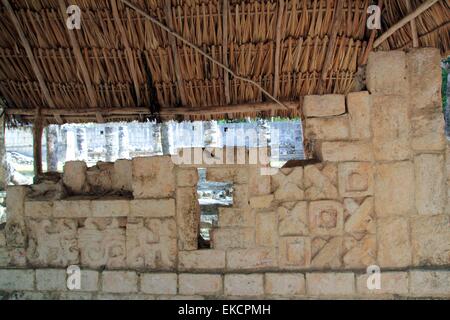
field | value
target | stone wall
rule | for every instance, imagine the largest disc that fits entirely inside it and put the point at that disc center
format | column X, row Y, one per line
column 378, row 196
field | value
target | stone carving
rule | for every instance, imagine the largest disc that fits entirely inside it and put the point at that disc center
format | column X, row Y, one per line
column 15, row 233
column 326, row 252
column 288, row 184
column 360, row 252
column 52, row 243
column 151, row 243
column 153, row 177
column 294, row 252
column 102, row 243
column 359, row 216
column 356, row 179
column 326, row 217
column 293, row 219
column 321, row 182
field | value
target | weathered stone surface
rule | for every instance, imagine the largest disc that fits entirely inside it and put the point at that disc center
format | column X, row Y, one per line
column 153, row 177
column 15, row 202
column 326, row 217
column 430, row 283
column 110, row 208
column 394, row 247
column 293, row 221
column 330, row 284
column 203, row 284
column 244, row 284
column 38, row 209
column 119, row 281
column 89, row 280
column 289, row 284
column 188, row 218
column 324, row 105
column 151, row 243
column 52, row 243
column 428, row 131
column 241, row 196
column 266, row 229
column 74, row 177
column 288, row 185
column 122, row 177
column 326, row 252
column 251, row 259
column 294, row 252
column 391, row 128
column 391, row 283
column 152, row 208
column 359, row 105
column 431, row 189
column 430, row 238
column 261, row 202
column 187, row 177
column 228, row 238
column 320, row 182
column 359, row 251
column 159, row 283
column 236, row 175
column 72, row 209
column 335, row 128
column 201, row 260
column 355, row 179
column 102, row 243
column 259, row 181
column 346, row 151
column 386, row 73
column 100, row 177
column 394, row 189
column 11, row 280
column 360, row 216
column 231, row 217
column 51, row 280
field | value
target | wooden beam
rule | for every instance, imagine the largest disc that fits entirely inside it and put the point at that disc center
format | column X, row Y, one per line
column 276, row 76
column 30, row 55
column 413, row 25
column 79, row 59
column 423, row 7
column 38, row 129
column 128, row 52
column 173, row 45
column 99, row 117
column 58, row 119
column 226, row 76
column 373, row 34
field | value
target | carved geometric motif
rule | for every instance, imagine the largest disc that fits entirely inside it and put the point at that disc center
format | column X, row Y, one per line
column 326, row 218
column 356, row 179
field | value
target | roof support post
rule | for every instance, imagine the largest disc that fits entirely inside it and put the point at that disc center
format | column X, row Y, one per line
column 38, row 129
column 3, row 167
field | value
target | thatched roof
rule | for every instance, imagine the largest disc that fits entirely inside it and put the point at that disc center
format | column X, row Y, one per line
column 127, row 68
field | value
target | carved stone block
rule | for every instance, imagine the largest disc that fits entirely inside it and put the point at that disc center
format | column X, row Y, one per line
column 355, row 179
column 294, row 252
column 321, row 182
column 326, row 218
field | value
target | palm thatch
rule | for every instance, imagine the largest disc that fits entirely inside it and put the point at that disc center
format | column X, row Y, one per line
column 127, row 68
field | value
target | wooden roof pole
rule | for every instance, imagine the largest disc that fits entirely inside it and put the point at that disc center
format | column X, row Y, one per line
column 226, row 76
column 175, row 56
column 38, row 129
column 413, row 25
column 128, row 52
column 37, row 72
column 276, row 76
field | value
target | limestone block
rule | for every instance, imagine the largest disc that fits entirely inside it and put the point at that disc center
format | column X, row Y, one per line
column 72, row 209
column 187, row 177
column 430, row 283
column 293, row 221
column 231, row 217
column 15, row 233
column 188, row 218
column 47, row 190
column 289, row 284
column 159, row 283
column 74, row 177
column 266, row 229
column 391, row 128
column 324, row 105
column 241, row 196
column 294, row 252
column 153, row 177
column 391, row 283
column 359, row 106
column 259, row 183
column 425, row 77
column 11, row 280
column 38, row 209
column 52, row 243
column 346, row 151
column 394, row 247
column 359, row 216
column 251, row 259
column 151, row 243
column 326, row 217
column 104, row 208
column 102, row 243
column 428, row 131
column 75, row 296
column 394, row 189
column 431, row 187
column 326, row 252
column 288, row 185
column 100, row 177
column 17, row 257
column 320, row 182
column 119, row 281
column 386, row 73
column 261, row 202
column 335, row 128
column 228, row 238
column 122, row 178
column 430, row 238
column 238, row 175
column 359, row 251
column 152, row 208
column 244, row 284
column 89, row 280
column 355, row 179
column 203, row 284
column 330, row 284
column 201, row 260
column 51, row 280
column 15, row 201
